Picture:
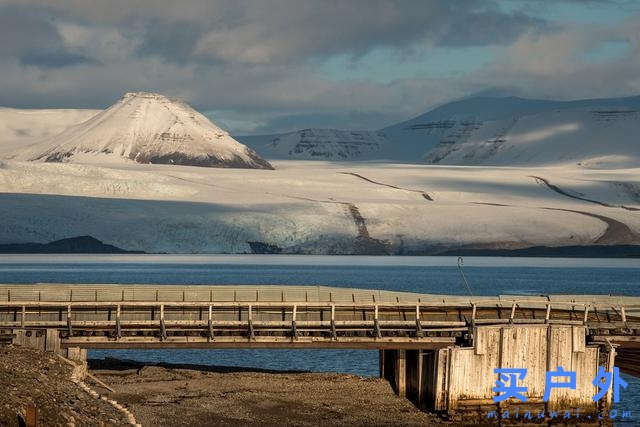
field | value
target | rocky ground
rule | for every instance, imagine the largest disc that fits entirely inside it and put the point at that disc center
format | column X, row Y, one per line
column 186, row 395
column 33, row 377
column 174, row 395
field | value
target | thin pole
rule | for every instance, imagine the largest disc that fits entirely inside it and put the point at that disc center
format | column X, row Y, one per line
column 466, row 284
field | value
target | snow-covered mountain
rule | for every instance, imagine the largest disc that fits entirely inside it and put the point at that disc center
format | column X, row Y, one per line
column 591, row 136
column 318, row 144
column 22, row 127
column 145, row 128
column 482, row 130
column 506, row 131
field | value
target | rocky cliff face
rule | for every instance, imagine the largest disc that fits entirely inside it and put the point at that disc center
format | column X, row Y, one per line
column 318, row 144
column 329, row 144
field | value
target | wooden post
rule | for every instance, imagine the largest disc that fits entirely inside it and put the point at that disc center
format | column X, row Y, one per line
column 210, row 322
column 440, row 382
column 31, row 416
column 401, row 373
column 548, row 314
column 294, row 330
column 608, row 399
column 381, row 363
column 414, row 376
column 419, row 333
column 52, row 342
column 163, row 329
column 334, row 334
column 418, row 375
column 77, row 354
column 250, row 323
column 69, row 321
column 20, row 336
column 118, row 332
column 376, row 323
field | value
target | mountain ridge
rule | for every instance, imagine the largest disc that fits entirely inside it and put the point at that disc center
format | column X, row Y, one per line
column 481, row 117
column 318, row 144
column 478, row 130
column 474, row 130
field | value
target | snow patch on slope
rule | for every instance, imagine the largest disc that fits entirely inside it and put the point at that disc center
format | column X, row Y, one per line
column 22, row 127
column 475, row 130
column 88, row 180
column 592, row 137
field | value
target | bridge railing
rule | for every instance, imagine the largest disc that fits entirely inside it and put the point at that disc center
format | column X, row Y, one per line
column 333, row 318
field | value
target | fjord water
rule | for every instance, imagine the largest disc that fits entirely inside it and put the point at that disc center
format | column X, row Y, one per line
column 440, row 275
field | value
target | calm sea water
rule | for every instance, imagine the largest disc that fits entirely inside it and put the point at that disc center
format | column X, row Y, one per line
column 486, row 276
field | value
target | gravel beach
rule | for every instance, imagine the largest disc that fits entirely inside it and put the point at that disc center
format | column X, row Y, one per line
column 197, row 395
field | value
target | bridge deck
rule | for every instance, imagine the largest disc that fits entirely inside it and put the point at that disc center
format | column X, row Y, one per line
column 269, row 293
column 152, row 316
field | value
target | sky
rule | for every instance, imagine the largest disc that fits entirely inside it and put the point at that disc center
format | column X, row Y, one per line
column 268, row 66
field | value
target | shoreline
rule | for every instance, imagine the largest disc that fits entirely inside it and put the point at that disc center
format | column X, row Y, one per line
column 88, row 245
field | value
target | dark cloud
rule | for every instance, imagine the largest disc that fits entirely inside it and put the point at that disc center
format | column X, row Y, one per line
column 29, row 36
column 53, row 59
column 257, row 60
column 282, row 30
column 173, row 40
column 278, row 30
column 485, row 27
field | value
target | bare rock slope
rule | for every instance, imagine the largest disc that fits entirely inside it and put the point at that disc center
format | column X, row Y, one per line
column 33, row 377
column 319, row 144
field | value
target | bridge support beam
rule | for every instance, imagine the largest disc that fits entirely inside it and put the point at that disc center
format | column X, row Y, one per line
column 393, row 368
column 459, row 380
column 78, row 355
column 48, row 340
column 33, row 339
column 465, row 377
column 406, row 372
column 52, row 342
column 415, row 376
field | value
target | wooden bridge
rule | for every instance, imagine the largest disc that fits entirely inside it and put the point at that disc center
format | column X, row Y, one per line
column 439, row 350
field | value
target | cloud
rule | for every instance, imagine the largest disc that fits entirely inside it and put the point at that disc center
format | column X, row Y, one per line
column 256, row 62
column 558, row 65
column 263, row 33
column 257, row 31
column 30, row 38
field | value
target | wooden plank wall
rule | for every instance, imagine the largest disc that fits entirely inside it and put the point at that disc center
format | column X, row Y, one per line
column 538, row 348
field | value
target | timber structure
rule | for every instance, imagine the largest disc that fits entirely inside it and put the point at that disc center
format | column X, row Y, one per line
column 440, row 351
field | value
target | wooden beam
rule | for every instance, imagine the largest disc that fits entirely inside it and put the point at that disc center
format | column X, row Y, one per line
column 480, row 304
column 624, row 341
column 401, row 373
column 141, row 342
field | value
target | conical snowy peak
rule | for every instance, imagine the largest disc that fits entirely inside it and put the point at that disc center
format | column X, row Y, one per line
column 147, row 128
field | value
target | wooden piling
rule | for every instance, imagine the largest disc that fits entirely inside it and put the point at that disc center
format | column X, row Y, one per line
column 401, row 373
column 31, row 416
